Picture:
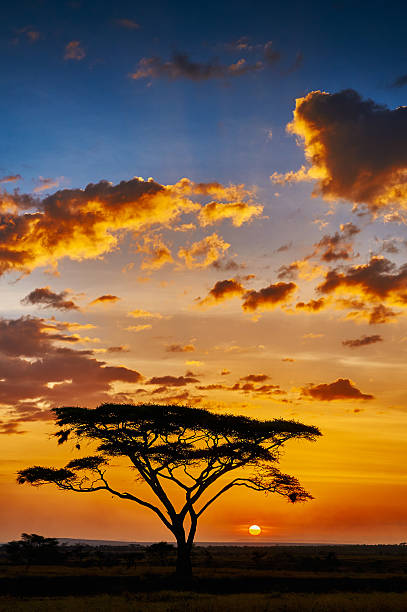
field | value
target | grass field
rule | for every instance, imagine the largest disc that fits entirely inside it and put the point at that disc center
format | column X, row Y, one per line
column 170, row 601
column 317, row 579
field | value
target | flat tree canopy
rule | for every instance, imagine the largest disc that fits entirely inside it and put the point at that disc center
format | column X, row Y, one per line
column 189, row 447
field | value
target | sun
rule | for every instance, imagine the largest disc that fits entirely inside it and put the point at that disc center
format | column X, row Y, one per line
column 254, row 530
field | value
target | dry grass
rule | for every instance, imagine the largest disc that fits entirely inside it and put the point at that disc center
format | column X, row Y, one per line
column 192, row 602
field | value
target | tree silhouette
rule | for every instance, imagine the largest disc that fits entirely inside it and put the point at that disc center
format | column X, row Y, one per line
column 33, row 548
column 170, row 444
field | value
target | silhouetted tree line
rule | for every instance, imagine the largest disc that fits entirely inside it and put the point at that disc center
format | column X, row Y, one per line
column 34, row 549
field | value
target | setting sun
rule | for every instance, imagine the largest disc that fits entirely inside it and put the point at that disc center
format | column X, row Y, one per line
column 254, row 530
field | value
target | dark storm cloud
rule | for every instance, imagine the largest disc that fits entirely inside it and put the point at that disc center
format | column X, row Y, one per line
column 48, row 299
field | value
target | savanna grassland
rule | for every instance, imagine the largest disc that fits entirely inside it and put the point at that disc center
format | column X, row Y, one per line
column 275, row 578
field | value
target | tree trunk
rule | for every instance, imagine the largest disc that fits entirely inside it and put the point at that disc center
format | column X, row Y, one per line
column 184, row 565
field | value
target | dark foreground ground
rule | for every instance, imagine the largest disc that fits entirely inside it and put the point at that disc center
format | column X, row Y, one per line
column 297, row 578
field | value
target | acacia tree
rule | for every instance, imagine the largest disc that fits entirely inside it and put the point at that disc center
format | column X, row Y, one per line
column 189, row 447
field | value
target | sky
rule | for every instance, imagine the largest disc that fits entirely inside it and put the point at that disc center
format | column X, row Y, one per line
column 206, row 204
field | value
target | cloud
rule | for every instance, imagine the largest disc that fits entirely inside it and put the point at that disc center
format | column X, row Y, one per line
column 128, row 24
column 289, row 271
column 361, row 311
column 221, row 291
column 38, row 373
column 31, row 34
column 105, row 299
column 341, row 389
column 400, row 81
column 118, row 349
column 312, row 305
column 172, row 381
column 157, row 253
column 48, row 299
column 180, row 66
column 144, row 314
column 337, row 246
column 363, row 341
column 180, row 348
column 88, row 223
column 268, row 297
column 284, row 247
column 11, row 178
column 226, row 265
column 355, row 149
column 138, row 328
column 238, row 212
column 203, row 253
column 74, row 51
column 247, row 387
column 45, row 183
column 378, row 280
column 312, row 336
column 255, row 377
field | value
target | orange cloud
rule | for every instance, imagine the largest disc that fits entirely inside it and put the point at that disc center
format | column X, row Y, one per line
column 312, row 305
column 237, row 212
column 203, row 253
column 341, row 389
column 180, row 348
column 255, row 377
column 88, row 223
column 144, row 314
column 157, row 253
column 269, row 297
column 222, row 290
column 378, row 280
column 355, row 148
column 138, row 328
column 11, row 178
column 105, row 299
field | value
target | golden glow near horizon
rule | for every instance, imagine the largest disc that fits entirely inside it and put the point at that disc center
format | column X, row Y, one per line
column 254, row 530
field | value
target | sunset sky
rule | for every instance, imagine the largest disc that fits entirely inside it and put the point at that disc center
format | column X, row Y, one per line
column 261, row 270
